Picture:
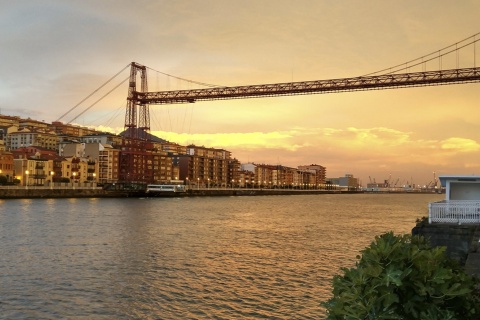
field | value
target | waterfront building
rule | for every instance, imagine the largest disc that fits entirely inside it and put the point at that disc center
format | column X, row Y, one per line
column 6, row 165
column 348, row 181
column 203, row 166
column 163, row 164
column 33, row 171
column 104, row 159
column 56, row 173
column 264, row 174
column 298, row 178
column 319, row 171
column 79, row 170
column 246, row 178
column 108, row 164
column 234, row 177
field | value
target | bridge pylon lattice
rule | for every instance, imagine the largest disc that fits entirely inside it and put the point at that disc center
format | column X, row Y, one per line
column 136, row 156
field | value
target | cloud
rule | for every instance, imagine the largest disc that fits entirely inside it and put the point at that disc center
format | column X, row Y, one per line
column 349, row 140
column 460, row 145
column 250, row 140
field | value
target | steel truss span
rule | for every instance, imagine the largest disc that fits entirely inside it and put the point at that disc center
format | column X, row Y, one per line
column 386, row 81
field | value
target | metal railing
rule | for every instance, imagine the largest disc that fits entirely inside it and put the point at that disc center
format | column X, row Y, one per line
column 454, row 211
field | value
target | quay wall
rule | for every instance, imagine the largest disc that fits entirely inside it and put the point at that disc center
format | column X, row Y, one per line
column 26, row 193
column 68, row 191
column 461, row 242
column 90, row 192
column 252, row 192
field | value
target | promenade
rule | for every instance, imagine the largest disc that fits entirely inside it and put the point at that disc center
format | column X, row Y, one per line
column 92, row 191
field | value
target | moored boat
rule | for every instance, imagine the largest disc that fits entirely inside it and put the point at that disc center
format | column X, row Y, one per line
column 163, row 190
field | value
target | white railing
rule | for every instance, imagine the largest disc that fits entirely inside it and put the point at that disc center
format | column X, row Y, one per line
column 454, row 211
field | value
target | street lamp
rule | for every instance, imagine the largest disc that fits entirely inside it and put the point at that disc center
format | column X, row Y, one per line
column 74, row 174
column 51, row 180
column 198, row 183
column 26, row 178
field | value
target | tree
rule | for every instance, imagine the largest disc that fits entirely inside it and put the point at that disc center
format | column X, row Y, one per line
column 3, row 180
column 403, row 277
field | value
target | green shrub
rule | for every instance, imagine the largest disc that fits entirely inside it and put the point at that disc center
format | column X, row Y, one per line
column 402, row 277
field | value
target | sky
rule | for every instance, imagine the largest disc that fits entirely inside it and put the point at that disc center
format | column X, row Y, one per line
column 54, row 53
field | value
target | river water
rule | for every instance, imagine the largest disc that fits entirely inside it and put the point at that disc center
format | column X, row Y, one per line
column 264, row 257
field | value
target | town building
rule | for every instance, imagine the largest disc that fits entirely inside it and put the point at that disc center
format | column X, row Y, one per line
column 71, row 130
column 319, row 171
column 348, row 181
column 163, row 167
column 8, row 121
column 33, row 171
column 103, row 138
column 203, row 166
column 245, row 178
column 33, row 124
column 38, row 137
column 6, row 165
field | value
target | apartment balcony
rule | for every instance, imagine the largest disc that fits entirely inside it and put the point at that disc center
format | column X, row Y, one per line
column 454, row 211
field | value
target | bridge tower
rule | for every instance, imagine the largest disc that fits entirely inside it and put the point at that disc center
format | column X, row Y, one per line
column 136, row 157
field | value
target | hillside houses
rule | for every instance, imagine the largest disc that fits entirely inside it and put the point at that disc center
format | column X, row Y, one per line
column 38, row 153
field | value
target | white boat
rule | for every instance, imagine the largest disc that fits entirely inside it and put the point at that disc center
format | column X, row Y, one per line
column 165, row 189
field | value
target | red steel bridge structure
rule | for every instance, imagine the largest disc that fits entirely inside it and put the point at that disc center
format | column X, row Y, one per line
column 136, row 156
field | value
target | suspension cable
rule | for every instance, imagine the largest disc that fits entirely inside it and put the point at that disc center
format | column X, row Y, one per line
column 436, row 52
column 91, row 94
column 187, row 80
column 118, row 85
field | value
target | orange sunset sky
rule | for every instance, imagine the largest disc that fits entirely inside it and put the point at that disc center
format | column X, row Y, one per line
column 55, row 53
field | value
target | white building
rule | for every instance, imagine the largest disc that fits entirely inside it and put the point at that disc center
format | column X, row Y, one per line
column 462, row 201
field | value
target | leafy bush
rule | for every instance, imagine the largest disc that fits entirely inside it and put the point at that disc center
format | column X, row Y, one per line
column 402, row 277
column 3, row 180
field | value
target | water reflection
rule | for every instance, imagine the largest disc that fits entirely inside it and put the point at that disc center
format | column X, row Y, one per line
column 236, row 257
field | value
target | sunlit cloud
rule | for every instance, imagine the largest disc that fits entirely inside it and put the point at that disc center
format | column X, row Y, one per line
column 460, row 145
column 359, row 141
column 250, row 140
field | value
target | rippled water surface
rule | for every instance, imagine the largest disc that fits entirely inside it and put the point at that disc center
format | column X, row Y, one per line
column 191, row 258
